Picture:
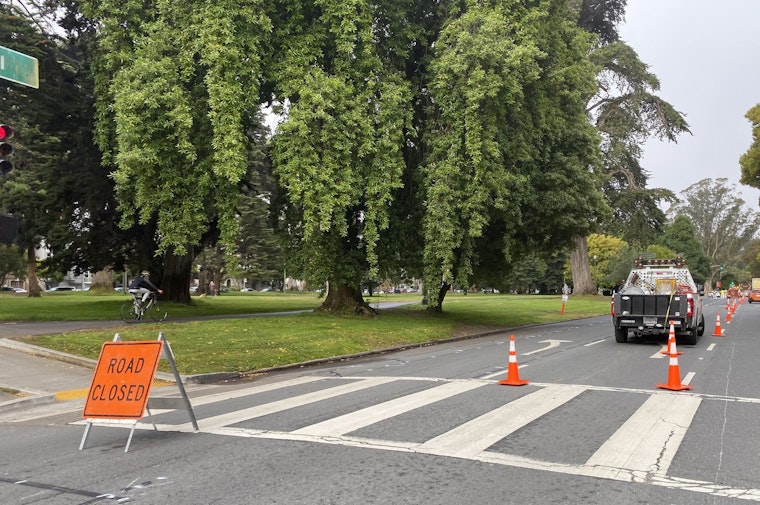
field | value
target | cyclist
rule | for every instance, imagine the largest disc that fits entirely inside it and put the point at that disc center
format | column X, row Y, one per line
column 142, row 285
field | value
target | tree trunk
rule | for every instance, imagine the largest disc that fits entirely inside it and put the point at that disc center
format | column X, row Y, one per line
column 438, row 306
column 707, row 286
column 582, row 282
column 176, row 278
column 31, row 270
column 103, row 281
column 343, row 299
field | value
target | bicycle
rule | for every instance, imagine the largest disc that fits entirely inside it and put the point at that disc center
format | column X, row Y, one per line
column 136, row 312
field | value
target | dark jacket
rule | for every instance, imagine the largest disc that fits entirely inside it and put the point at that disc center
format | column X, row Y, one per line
column 142, row 282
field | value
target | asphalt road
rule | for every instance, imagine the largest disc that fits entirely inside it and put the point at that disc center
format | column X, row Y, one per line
column 431, row 426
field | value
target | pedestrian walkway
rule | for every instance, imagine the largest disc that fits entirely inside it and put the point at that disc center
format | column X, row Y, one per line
column 37, row 376
column 472, row 419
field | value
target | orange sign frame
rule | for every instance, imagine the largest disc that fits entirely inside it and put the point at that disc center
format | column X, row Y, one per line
column 122, row 379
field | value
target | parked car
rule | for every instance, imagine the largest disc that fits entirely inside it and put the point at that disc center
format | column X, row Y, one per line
column 10, row 288
column 63, row 288
column 754, row 295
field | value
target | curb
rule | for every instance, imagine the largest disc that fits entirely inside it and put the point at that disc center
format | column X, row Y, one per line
column 26, row 402
column 47, row 353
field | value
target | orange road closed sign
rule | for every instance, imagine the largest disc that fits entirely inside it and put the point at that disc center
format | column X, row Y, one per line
column 122, row 380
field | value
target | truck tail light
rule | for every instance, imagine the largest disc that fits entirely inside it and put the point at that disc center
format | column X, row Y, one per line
column 612, row 306
column 690, row 299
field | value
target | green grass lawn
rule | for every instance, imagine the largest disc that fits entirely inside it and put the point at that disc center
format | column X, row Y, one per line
column 90, row 306
column 252, row 343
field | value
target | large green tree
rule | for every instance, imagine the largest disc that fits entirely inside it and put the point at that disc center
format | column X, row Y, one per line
column 37, row 192
column 83, row 234
column 509, row 144
column 680, row 236
column 339, row 153
column 723, row 225
column 626, row 111
column 177, row 84
column 750, row 161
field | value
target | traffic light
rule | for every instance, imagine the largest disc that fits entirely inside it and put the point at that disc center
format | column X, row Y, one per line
column 8, row 229
column 6, row 149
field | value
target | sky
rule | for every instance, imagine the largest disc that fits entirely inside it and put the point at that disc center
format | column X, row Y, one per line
column 705, row 54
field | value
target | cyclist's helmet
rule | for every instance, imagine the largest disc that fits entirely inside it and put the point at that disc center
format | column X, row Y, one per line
column 145, row 273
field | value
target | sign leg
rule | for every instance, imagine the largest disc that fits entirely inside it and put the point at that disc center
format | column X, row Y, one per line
column 84, row 436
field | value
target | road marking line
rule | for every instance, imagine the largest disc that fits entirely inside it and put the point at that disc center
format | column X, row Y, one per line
column 290, row 403
column 649, row 439
column 687, row 378
column 552, row 345
column 711, row 347
column 594, row 343
column 259, row 388
column 659, row 354
column 500, row 372
column 482, row 432
column 359, row 419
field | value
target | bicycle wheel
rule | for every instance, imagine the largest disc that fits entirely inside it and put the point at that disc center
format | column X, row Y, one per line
column 155, row 312
column 129, row 314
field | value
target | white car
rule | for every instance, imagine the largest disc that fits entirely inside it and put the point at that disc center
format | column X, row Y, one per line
column 10, row 288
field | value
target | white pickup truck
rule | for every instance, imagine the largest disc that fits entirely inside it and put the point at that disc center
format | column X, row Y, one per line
column 656, row 293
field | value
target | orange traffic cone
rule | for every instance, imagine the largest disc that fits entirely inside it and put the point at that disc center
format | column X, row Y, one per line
column 513, row 375
column 728, row 317
column 671, row 342
column 718, row 331
column 733, row 308
column 674, row 375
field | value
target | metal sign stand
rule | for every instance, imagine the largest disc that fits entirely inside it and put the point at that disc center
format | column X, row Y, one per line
column 90, row 422
column 172, row 403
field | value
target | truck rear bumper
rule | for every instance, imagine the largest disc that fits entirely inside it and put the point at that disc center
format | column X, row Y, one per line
column 650, row 325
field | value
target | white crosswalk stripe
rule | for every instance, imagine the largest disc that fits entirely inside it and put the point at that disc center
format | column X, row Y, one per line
column 484, row 431
column 371, row 415
column 289, row 403
column 648, row 441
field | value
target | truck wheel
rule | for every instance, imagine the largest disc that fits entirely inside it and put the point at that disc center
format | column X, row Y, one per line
column 701, row 327
column 621, row 335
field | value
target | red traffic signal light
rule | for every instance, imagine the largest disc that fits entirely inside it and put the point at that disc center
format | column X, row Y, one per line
column 6, row 132
column 6, row 149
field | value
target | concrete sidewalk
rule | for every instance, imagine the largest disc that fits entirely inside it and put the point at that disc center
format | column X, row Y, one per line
column 31, row 375
column 39, row 375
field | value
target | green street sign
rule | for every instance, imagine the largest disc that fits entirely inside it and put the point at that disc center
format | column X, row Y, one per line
column 19, row 68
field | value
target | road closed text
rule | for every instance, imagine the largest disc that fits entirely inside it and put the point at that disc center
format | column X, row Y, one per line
column 130, row 393
column 122, row 380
